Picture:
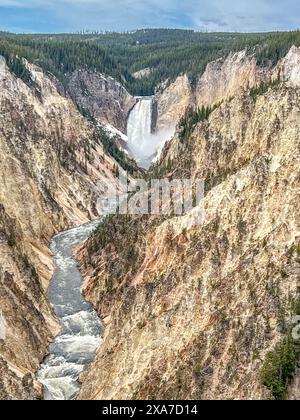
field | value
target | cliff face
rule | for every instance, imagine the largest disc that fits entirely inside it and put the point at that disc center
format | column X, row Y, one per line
column 222, row 80
column 27, row 320
column 225, row 78
column 51, row 159
column 172, row 102
column 197, row 307
column 102, row 97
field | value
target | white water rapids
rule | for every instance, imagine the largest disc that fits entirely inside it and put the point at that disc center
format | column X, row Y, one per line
column 143, row 144
column 81, row 329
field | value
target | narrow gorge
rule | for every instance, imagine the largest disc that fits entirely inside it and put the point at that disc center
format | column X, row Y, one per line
column 97, row 304
column 81, row 329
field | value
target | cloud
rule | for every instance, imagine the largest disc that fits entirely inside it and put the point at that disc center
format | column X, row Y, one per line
column 254, row 15
column 227, row 15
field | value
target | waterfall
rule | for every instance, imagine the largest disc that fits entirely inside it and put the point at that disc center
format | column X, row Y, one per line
column 139, row 129
column 144, row 145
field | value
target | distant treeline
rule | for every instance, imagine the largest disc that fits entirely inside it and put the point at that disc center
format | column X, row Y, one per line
column 167, row 52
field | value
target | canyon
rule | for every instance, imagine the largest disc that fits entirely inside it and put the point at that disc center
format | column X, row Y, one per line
column 198, row 308
column 53, row 167
column 189, row 311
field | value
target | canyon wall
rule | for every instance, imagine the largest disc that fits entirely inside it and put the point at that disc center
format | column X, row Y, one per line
column 192, row 309
column 225, row 78
column 222, row 80
column 101, row 97
column 51, row 161
column 171, row 102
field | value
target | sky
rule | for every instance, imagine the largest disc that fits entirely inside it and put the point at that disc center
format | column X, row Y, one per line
column 119, row 15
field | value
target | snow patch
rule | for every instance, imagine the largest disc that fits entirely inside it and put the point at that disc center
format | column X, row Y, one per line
column 112, row 131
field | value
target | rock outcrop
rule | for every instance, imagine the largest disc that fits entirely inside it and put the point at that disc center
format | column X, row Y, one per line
column 222, row 80
column 226, row 77
column 171, row 102
column 288, row 68
column 140, row 74
column 238, row 72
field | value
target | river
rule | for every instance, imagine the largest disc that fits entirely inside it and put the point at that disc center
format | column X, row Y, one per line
column 81, row 329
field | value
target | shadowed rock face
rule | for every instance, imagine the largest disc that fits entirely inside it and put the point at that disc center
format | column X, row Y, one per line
column 197, row 309
column 14, row 388
column 50, row 162
column 101, row 97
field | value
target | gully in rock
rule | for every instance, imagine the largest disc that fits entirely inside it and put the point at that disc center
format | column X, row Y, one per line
column 81, row 329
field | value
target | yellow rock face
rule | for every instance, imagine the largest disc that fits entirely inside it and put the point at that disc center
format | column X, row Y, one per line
column 47, row 184
column 196, row 312
column 172, row 102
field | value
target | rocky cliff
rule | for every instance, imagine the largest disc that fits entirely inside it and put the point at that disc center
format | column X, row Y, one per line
column 238, row 72
column 172, row 100
column 102, row 97
column 192, row 310
column 222, row 80
column 52, row 167
column 204, row 310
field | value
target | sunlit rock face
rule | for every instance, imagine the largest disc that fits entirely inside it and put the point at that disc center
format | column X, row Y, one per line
column 225, row 78
column 199, row 307
column 289, row 67
column 222, row 80
column 172, row 100
column 50, row 163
